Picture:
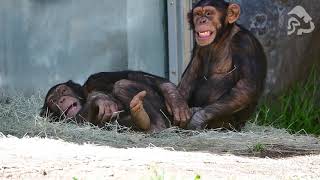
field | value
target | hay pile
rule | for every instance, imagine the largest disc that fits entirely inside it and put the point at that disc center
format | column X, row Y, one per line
column 19, row 117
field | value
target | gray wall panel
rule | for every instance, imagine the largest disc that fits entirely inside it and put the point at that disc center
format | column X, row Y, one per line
column 44, row 42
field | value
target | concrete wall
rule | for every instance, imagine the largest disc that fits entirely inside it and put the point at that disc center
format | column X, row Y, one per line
column 44, row 42
column 290, row 57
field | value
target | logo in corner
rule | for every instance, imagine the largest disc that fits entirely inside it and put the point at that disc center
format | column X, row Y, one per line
column 300, row 17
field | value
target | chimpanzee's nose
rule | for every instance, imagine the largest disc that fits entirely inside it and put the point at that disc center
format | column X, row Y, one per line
column 203, row 20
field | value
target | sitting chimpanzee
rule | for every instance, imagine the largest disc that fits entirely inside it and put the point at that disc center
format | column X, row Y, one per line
column 145, row 99
column 226, row 75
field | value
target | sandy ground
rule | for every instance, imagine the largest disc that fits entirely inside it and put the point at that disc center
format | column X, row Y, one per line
column 35, row 158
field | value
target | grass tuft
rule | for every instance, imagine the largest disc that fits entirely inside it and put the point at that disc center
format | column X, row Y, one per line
column 297, row 110
column 259, row 148
column 198, row 177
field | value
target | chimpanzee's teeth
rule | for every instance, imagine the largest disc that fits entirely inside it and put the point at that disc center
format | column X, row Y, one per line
column 204, row 34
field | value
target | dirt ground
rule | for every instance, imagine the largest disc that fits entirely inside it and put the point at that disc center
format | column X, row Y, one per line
column 38, row 158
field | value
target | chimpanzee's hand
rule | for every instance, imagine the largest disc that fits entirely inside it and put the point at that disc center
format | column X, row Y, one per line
column 198, row 120
column 176, row 105
column 104, row 106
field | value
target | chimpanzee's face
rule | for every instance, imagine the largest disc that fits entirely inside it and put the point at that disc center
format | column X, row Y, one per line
column 207, row 23
column 209, row 19
column 63, row 101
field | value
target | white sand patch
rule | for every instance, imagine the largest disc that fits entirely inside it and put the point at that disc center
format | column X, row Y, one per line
column 36, row 158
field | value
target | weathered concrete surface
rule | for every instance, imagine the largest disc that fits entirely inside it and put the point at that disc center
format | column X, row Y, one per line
column 43, row 42
column 290, row 57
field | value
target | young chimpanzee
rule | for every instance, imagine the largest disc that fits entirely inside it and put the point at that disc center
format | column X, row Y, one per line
column 226, row 75
column 145, row 99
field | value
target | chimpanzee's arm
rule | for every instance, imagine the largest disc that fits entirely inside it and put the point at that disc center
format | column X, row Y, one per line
column 98, row 89
column 246, row 91
column 189, row 77
column 104, row 81
column 99, row 108
column 85, row 114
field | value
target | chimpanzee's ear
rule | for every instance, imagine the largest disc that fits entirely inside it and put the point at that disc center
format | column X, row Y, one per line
column 233, row 13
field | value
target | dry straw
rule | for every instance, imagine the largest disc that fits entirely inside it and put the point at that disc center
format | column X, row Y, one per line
column 19, row 117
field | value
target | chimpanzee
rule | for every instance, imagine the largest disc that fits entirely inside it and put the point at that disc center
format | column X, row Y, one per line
column 145, row 99
column 226, row 76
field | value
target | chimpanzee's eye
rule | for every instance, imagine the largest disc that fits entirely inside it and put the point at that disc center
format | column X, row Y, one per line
column 196, row 14
column 63, row 91
column 208, row 13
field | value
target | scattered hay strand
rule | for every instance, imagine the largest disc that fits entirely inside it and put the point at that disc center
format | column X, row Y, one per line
column 19, row 117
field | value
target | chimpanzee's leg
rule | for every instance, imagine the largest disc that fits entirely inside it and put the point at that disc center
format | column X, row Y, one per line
column 153, row 103
column 235, row 121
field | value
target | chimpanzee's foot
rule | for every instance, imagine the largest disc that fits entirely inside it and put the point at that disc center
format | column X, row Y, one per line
column 138, row 113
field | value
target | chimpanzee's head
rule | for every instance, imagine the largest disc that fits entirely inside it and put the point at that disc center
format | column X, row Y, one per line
column 209, row 18
column 63, row 100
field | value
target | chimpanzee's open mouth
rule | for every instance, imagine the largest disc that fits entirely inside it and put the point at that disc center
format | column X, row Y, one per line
column 204, row 34
column 73, row 105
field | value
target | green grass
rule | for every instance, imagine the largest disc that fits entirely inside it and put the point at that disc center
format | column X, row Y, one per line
column 198, row 177
column 297, row 109
column 259, row 148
